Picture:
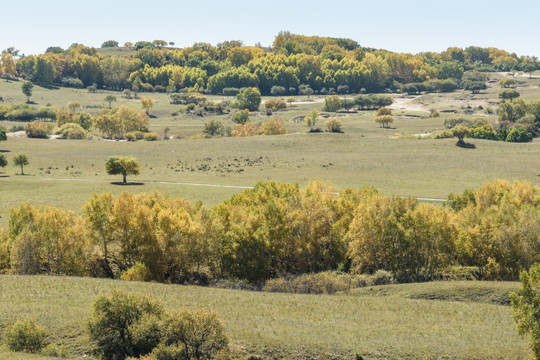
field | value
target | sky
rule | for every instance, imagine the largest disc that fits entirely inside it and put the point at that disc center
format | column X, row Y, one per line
column 411, row 26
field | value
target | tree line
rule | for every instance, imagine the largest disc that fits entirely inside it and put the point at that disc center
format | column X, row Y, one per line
column 294, row 64
column 277, row 229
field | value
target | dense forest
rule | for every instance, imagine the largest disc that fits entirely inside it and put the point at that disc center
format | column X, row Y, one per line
column 294, row 64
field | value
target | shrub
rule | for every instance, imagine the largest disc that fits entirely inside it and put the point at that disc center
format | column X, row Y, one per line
column 410, row 89
column 443, row 135
column 519, row 134
column 53, row 350
column 72, row 82
column 151, row 136
column 509, row 94
column 138, row 272
column 26, row 335
column 347, row 104
column 240, row 117
column 72, row 131
column 125, row 324
column 333, row 125
column 38, row 129
column 195, row 334
column 213, row 128
column 452, row 123
column 449, row 85
column 332, row 103
column 274, row 126
column 277, row 90
column 275, row 104
column 433, row 113
column 384, row 111
column 249, row 98
column 382, row 277
column 484, row 131
column 246, row 129
column 230, row 91
column 130, row 136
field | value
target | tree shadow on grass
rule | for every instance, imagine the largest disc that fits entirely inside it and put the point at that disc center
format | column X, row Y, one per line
column 126, row 184
column 4, row 176
column 5, row 151
column 465, row 145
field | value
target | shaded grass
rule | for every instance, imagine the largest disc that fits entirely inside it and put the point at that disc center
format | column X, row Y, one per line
column 289, row 325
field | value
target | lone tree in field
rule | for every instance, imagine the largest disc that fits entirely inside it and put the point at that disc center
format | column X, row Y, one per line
column 124, row 165
column 526, row 308
column 148, row 104
column 384, row 117
column 110, row 99
column 461, row 132
column 311, row 120
column 21, row 160
column 27, row 87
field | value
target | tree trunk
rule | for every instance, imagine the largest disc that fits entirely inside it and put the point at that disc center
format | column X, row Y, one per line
column 124, row 176
column 22, row 170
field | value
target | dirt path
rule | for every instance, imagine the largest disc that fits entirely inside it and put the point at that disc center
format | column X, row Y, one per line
column 406, row 103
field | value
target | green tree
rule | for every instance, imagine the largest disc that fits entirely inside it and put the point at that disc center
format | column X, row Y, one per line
column 213, row 128
column 384, row 120
column 241, row 117
column 509, row 94
column 110, row 98
column 3, row 161
column 21, row 160
column 529, row 68
column 109, row 43
column 3, row 135
column 27, row 87
column 332, row 103
column 43, row 71
column 311, row 120
column 249, row 98
column 123, row 325
column 124, row 165
column 526, row 308
column 474, row 86
column 519, row 134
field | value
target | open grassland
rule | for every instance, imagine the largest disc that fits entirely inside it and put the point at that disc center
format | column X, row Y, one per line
column 386, row 322
column 365, row 154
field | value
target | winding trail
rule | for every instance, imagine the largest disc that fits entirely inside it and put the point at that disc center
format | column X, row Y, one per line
column 204, row 185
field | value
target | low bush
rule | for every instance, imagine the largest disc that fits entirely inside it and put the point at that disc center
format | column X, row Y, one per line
column 138, row 272
column 274, row 126
column 38, row 130
column 519, row 134
column 26, row 336
column 151, row 136
column 333, row 125
column 275, row 104
column 328, row 282
column 72, row 131
column 230, row 91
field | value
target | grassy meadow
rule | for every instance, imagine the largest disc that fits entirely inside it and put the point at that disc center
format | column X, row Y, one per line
column 438, row 320
column 67, row 172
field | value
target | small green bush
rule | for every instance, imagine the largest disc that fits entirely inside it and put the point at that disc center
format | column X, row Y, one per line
column 72, row 131
column 27, row 336
column 443, row 135
column 519, row 134
column 382, row 277
column 54, row 350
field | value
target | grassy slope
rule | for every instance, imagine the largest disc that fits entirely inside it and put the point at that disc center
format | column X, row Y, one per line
column 390, row 326
column 364, row 155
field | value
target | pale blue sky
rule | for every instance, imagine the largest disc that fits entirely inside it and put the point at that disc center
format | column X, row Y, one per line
column 404, row 26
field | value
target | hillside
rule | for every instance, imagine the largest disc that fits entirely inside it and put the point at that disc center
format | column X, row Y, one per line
column 391, row 326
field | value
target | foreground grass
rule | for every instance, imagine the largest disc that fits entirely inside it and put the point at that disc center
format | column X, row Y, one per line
column 391, row 326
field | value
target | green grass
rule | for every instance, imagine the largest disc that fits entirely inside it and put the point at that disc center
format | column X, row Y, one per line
column 364, row 155
column 385, row 324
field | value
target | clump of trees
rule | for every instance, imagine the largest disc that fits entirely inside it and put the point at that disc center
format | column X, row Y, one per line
column 133, row 325
column 277, row 229
column 384, row 117
column 115, row 123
